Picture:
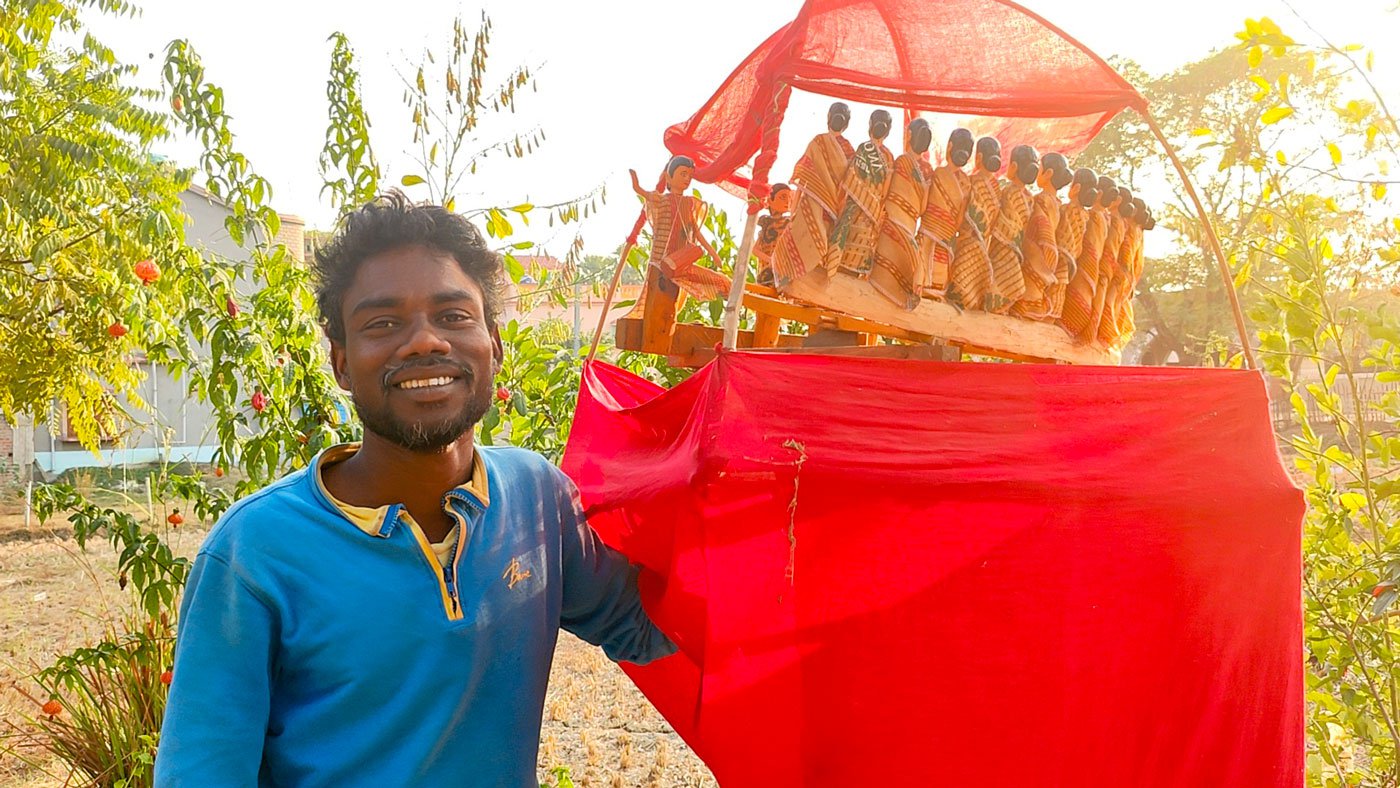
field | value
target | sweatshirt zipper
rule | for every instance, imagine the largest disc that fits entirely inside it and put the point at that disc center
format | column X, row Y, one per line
column 446, row 575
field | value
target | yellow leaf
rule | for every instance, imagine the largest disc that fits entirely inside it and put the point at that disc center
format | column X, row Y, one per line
column 1252, row 27
column 1242, row 278
column 1201, row 132
column 1282, row 159
column 1352, row 48
column 1352, row 501
column 1256, row 56
column 1332, row 206
column 1371, row 60
column 1396, row 222
column 1276, row 114
column 1335, row 152
column 1378, row 191
column 1264, row 85
column 451, row 204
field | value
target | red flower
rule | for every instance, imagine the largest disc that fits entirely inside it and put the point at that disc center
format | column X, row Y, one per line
column 53, row 708
column 231, row 306
column 175, row 518
column 502, row 393
column 166, row 678
column 218, row 471
column 177, row 103
column 259, row 401
column 117, row 330
column 147, row 271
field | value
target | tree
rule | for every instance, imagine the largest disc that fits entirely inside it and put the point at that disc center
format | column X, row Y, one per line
column 1206, row 109
column 82, row 202
column 1323, row 232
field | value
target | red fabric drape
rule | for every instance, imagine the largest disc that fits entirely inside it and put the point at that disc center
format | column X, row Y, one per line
column 964, row 57
column 974, row 574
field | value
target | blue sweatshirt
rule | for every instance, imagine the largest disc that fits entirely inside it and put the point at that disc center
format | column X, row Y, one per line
column 325, row 647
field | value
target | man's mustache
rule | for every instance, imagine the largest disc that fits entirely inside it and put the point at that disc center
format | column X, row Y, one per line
column 445, row 364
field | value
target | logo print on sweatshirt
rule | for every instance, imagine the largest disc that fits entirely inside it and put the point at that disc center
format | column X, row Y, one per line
column 514, row 574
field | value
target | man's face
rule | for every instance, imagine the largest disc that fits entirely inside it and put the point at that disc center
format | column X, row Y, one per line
column 418, row 357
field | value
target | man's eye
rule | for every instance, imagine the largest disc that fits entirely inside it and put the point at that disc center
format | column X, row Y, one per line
column 456, row 317
column 380, row 324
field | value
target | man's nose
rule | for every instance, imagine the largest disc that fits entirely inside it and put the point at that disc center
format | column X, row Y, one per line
column 424, row 340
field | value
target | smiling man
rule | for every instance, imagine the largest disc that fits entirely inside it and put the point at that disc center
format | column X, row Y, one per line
column 388, row 615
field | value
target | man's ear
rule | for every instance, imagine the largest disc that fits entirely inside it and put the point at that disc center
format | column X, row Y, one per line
column 498, row 351
column 338, row 364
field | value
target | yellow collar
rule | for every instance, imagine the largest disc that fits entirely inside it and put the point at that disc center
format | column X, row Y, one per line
column 371, row 519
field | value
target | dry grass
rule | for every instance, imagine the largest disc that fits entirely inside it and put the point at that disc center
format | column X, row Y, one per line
column 595, row 722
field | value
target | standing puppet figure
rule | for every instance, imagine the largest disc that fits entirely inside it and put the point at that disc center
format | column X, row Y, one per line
column 1083, row 294
column 1130, row 259
column 897, row 271
column 1009, row 230
column 1069, row 236
column 943, row 211
column 818, row 177
column 971, row 278
column 676, row 241
column 1041, row 263
column 771, row 227
column 864, row 188
column 1110, row 276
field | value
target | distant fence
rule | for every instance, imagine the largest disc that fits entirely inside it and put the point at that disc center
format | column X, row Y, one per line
column 1369, row 390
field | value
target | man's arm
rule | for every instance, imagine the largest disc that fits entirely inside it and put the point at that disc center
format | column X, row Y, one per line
column 217, row 712
column 601, row 601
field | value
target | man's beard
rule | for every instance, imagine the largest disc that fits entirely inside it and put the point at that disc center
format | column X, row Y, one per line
column 423, row 437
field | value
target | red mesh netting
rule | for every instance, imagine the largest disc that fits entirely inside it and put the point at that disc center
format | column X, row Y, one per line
column 965, row 57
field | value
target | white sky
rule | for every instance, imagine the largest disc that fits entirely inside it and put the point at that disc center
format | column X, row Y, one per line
column 613, row 76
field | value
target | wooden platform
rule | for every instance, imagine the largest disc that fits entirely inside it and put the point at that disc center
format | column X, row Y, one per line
column 976, row 332
column 847, row 316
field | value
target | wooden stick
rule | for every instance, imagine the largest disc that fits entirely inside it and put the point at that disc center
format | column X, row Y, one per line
column 607, row 302
column 1211, row 239
column 736, row 287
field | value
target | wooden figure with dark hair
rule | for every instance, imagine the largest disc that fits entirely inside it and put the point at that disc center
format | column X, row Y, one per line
column 817, row 177
column 1009, row 230
column 771, row 227
column 971, row 276
column 863, row 190
column 1044, row 271
column 897, row 270
column 948, row 192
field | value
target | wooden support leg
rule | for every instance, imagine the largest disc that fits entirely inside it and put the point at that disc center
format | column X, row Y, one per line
column 765, row 330
column 660, row 300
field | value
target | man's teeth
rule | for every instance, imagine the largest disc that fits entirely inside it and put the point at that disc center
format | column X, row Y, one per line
column 422, row 384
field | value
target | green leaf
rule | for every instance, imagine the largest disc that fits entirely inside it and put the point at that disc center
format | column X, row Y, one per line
column 1276, row 114
column 411, row 180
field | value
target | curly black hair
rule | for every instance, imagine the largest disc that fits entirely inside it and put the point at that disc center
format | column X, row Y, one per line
column 391, row 221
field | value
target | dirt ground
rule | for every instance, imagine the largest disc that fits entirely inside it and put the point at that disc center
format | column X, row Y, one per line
column 53, row 599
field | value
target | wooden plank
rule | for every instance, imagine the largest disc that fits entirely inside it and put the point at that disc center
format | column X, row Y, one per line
column 764, row 304
column 691, row 345
column 997, row 335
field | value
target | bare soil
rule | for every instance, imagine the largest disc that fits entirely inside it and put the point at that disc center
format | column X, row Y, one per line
column 54, row 598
